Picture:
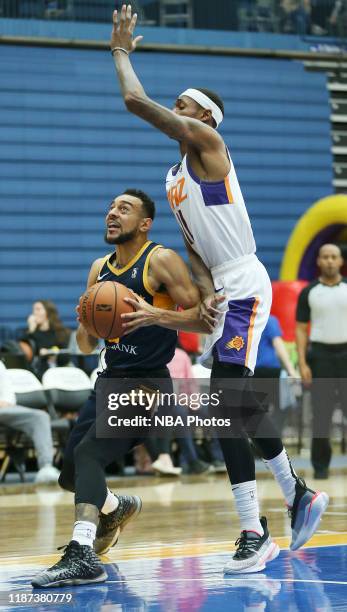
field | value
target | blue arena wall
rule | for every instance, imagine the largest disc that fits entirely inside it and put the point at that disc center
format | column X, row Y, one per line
column 67, row 146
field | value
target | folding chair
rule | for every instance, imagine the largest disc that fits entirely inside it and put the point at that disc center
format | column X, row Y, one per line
column 12, row 451
column 31, row 394
column 68, row 388
column 94, row 376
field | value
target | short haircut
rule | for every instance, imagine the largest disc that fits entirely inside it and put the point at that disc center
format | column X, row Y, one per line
column 329, row 244
column 147, row 203
column 213, row 96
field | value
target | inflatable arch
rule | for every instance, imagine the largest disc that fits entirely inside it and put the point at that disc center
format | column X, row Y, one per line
column 325, row 221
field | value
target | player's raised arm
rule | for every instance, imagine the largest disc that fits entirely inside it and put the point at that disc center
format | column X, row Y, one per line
column 184, row 129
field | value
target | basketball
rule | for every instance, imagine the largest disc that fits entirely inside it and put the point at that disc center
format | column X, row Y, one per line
column 101, row 307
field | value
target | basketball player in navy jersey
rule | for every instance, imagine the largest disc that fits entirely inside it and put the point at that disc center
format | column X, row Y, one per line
column 205, row 196
column 161, row 277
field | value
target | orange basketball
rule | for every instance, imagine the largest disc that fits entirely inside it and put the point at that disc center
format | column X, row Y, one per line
column 101, row 307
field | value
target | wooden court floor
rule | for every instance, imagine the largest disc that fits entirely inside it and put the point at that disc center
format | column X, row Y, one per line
column 184, row 534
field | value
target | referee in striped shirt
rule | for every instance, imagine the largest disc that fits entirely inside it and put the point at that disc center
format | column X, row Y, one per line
column 322, row 350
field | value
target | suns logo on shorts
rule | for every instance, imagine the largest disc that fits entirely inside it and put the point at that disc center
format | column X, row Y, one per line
column 237, row 342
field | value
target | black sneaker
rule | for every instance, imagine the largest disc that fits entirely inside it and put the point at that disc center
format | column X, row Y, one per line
column 321, row 474
column 306, row 513
column 219, row 467
column 253, row 551
column 78, row 565
column 112, row 524
column 196, row 467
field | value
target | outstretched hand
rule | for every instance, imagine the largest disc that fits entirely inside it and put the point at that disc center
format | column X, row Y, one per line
column 144, row 315
column 123, row 28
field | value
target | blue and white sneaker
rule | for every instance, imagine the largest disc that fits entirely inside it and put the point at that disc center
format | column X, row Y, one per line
column 306, row 512
column 253, row 552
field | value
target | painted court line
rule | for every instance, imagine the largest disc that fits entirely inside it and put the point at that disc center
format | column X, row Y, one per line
column 249, row 577
column 167, row 551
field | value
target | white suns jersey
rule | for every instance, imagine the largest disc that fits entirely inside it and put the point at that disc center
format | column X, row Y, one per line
column 212, row 215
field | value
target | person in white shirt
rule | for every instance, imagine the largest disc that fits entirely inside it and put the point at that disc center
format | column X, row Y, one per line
column 321, row 336
column 206, row 199
column 33, row 422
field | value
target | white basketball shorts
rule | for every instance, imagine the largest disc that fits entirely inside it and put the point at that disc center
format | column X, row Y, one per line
column 248, row 295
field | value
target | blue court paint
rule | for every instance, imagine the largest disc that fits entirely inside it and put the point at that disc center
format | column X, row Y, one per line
column 309, row 580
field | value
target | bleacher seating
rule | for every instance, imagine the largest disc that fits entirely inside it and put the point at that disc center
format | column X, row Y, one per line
column 68, row 146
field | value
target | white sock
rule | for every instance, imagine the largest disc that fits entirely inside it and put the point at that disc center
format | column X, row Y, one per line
column 111, row 503
column 281, row 468
column 246, row 500
column 84, row 533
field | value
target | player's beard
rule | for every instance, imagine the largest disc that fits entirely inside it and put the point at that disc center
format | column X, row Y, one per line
column 122, row 238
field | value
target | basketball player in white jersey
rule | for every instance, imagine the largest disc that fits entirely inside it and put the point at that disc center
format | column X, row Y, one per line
column 206, row 199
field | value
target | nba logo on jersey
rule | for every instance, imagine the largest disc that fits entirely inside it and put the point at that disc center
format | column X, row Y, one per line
column 134, row 273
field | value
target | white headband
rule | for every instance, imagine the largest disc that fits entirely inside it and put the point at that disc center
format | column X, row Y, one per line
column 205, row 102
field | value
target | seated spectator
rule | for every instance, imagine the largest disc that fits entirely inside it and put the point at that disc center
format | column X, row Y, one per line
column 272, row 352
column 156, row 455
column 338, row 18
column 181, row 371
column 45, row 332
column 142, row 461
column 272, row 357
column 159, row 450
column 321, row 10
column 295, row 16
column 34, row 423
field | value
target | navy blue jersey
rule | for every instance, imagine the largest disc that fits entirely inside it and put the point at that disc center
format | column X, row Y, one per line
column 148, row 347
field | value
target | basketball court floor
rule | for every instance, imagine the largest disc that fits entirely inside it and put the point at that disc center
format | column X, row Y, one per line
column 171, row 558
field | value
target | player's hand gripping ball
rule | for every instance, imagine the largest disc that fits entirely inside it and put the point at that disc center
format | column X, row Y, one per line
column 100, row 309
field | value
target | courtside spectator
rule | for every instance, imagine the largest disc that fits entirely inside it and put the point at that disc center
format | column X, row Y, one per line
column 272, row 358
column 45, row 332
column 180, row 368
column 33, row 422
column 272, row 352
column 295, row 16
